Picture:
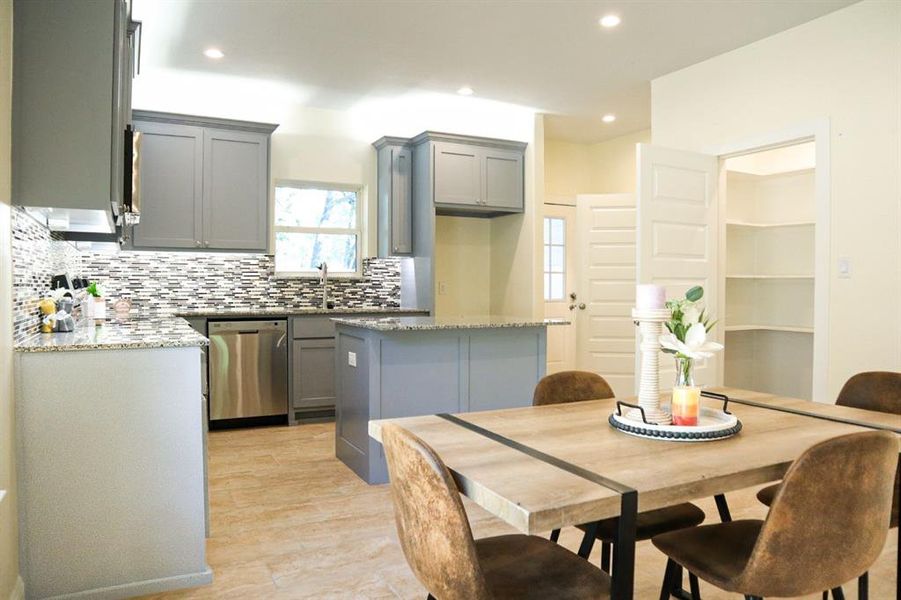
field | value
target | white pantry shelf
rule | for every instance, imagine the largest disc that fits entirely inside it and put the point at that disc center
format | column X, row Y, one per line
column 769, row 328
column 752, row 276
column 770, row 225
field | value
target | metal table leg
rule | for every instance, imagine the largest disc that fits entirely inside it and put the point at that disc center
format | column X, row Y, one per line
column 624, row 547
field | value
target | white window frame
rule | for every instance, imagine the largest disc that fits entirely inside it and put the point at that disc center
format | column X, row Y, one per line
column 546, row 245
column 357, row 232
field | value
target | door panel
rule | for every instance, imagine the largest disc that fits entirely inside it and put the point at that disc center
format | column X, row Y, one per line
column 171, row 170
column 502, row 179
column 457, row 174
column 561, row 340
column 235, row 190
column 606, row 242
column 401, row 201
column 314, row 374
column 677, row 232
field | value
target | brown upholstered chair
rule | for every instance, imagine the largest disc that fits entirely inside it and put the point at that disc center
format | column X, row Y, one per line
column 577, row 386
column 873, row 390
column 827, row 525
column 438, row 544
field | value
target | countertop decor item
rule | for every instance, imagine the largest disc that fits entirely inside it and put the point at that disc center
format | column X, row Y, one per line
column 688, row 326
column 94, row 302
column 649, row 314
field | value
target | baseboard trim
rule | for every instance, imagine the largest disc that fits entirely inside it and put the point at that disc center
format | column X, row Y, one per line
column 141, row 588
column 18, row 591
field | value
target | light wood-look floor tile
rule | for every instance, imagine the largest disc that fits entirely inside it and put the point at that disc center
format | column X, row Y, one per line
column 291, row 521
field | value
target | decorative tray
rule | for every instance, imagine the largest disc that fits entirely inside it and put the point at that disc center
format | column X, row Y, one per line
column 714, row 424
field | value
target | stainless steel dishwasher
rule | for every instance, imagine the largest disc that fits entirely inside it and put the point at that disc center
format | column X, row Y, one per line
column 248, row 369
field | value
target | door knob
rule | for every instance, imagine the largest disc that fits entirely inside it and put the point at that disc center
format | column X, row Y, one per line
column 581, row 306
column 572, row 295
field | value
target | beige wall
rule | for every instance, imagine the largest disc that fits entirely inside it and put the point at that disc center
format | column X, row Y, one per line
column 606, row 167
column 844, row 67
column 9, row 568
column 462, row 266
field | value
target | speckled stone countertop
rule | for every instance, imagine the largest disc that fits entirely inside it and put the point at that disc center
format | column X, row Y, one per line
column 290, row 312
column 117, row 334
column 438, row 323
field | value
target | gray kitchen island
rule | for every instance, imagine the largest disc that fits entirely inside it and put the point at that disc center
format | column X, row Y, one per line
column 410, row 366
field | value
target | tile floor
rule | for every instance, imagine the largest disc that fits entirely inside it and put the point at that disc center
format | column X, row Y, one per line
column 291, row 521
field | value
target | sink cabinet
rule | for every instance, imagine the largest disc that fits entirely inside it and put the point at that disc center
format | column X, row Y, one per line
column 204, row 184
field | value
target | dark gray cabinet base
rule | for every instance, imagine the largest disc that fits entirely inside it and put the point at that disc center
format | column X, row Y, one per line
column 383, row 375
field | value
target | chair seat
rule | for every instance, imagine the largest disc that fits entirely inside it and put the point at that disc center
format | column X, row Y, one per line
column 654, row 522
column 524, row 566
column 767, row 494
column 716, row 553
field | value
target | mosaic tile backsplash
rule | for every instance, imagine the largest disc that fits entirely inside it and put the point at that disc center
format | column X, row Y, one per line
column 166, row 282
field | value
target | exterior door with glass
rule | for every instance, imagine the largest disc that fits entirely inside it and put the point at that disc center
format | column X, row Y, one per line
column 560, row 296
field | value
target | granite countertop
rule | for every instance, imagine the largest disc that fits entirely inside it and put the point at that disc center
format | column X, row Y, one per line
column 280, row 311
column 117, row 334
column 438, row 323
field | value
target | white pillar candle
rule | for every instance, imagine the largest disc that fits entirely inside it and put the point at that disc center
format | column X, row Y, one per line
column 648, row 295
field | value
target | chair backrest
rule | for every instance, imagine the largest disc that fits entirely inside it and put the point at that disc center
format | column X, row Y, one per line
column 571, row 386
column 829, row 520
column 431, row 521
column 874, row 390
column 879, row 391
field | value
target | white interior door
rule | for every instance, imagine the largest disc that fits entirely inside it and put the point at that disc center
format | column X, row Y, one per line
column 677, row 233
column 606, row 334
column 559, row 283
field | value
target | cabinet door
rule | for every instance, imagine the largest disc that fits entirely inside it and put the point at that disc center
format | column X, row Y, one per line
column 170, row 179
column 314, row 374
column 401, row 201
column 457, row 174
column 235, row 190
column 502, row 179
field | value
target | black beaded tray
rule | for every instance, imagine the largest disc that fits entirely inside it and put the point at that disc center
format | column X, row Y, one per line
column 715, row 424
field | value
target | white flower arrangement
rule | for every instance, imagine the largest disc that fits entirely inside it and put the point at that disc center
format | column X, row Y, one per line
column 688, row 327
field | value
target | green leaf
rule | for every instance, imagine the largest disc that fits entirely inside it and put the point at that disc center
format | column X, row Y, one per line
column 694, row 294
column 710, row 326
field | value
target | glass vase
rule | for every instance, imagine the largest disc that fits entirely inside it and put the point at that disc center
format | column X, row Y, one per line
column 686, row 404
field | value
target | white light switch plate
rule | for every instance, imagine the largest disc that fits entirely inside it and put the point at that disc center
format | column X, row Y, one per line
column 352, row 359
column 844, row 267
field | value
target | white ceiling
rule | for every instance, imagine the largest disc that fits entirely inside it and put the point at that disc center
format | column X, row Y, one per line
column 547, row 55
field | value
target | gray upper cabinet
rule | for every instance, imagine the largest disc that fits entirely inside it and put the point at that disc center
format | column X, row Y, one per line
column 171, row 179
column 395, row 197
column 473, row 176
column 71, row 102
column 457, row 174
column 502, row 179
column 204, row 183
column 235, row 190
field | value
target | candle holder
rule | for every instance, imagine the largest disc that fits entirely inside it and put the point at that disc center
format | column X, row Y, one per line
column 650, row 323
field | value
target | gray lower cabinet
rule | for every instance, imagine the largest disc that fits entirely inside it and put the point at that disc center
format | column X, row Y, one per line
column 313, row 365
column 395, row 197
column 204, row 183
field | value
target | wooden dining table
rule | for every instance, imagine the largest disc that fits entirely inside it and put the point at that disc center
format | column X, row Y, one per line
column 547, row 467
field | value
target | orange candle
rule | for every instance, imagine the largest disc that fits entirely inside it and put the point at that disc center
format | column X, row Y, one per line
column 686, row 405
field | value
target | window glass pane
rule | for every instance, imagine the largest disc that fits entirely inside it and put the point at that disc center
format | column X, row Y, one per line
column 297, row 252
column 547, row 286
column 547, row 230
column 558, row 231
column 556, row 286
column 547, row 258
column 556, row 259
column 301, row 207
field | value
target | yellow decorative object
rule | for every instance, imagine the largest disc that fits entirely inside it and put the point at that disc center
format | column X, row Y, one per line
column 686, row 405
column 48, row 307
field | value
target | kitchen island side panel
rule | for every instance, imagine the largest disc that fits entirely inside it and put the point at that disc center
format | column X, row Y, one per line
column 412, row 373
column 110, row 461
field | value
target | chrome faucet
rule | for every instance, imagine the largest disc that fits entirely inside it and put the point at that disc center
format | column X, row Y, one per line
column 323, row 279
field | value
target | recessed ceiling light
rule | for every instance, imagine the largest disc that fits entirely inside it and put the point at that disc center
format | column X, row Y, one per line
column 610, row 21
column 465, row 91
column 608, row 118
column 214, row 53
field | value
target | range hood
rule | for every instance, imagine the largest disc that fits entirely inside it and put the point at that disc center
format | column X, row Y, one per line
column 75, row 219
